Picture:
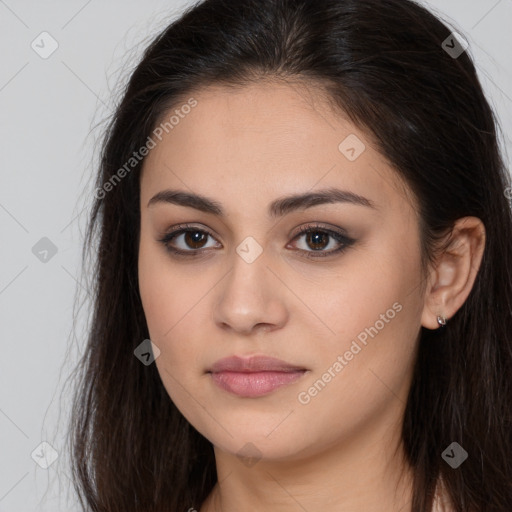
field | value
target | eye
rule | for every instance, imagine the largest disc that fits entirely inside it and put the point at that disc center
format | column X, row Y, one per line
column 318, row 237
column 191, row 237
column 193, row 241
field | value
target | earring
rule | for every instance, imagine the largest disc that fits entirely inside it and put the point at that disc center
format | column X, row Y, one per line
column 441, row 320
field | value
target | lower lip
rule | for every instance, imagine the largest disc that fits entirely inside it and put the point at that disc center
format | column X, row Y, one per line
column 254, row 384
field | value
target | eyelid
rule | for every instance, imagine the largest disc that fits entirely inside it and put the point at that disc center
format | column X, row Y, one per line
column 304, row 228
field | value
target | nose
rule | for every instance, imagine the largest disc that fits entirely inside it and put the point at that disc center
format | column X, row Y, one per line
column 250, row 298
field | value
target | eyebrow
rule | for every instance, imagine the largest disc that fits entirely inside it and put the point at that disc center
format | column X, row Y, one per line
column 277, row 208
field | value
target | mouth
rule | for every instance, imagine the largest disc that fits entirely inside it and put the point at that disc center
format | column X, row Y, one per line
column 255, row 376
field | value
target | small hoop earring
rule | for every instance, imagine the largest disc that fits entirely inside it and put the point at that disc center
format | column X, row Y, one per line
column 441, row 320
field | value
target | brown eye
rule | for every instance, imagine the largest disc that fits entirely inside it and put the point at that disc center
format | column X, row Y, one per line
column 318, row 238
column 195, row 239
column 186, row 240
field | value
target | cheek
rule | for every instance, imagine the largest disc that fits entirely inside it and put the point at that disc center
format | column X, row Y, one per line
column 374, row 313
column 173, row 309
column 157, row 287
column 168, row 310
column 154, row 295
column 365, row 370
column 353, row 298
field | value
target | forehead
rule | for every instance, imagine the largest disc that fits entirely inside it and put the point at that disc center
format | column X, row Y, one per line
column 267, row 139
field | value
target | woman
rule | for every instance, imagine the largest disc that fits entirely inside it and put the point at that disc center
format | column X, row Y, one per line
column 302, row 292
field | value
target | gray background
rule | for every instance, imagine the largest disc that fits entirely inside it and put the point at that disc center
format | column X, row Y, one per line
column 51, row 113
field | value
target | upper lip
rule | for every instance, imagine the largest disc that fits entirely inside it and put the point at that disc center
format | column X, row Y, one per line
column 252, row 364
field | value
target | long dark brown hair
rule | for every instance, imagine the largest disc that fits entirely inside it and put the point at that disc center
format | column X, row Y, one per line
column 384, row 63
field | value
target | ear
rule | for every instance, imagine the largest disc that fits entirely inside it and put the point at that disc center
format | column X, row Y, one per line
column 455, row 271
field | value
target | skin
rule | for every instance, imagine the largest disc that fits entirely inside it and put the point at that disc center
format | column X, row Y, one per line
column 244, row 148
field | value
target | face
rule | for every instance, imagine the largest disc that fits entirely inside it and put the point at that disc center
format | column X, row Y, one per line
column 330, row 288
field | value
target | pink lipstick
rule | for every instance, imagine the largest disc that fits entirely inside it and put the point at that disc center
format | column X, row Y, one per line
column 254, row 376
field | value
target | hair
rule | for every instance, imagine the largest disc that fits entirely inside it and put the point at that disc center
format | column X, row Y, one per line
column 383, row 65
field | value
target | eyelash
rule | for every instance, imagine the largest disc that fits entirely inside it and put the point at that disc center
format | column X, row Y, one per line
column 315, row 228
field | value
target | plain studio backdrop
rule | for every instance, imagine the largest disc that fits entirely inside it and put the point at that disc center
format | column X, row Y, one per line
column 61, row 65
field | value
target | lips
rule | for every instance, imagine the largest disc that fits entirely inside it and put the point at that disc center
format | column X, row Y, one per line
column 255, row 376
column 253, row 364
